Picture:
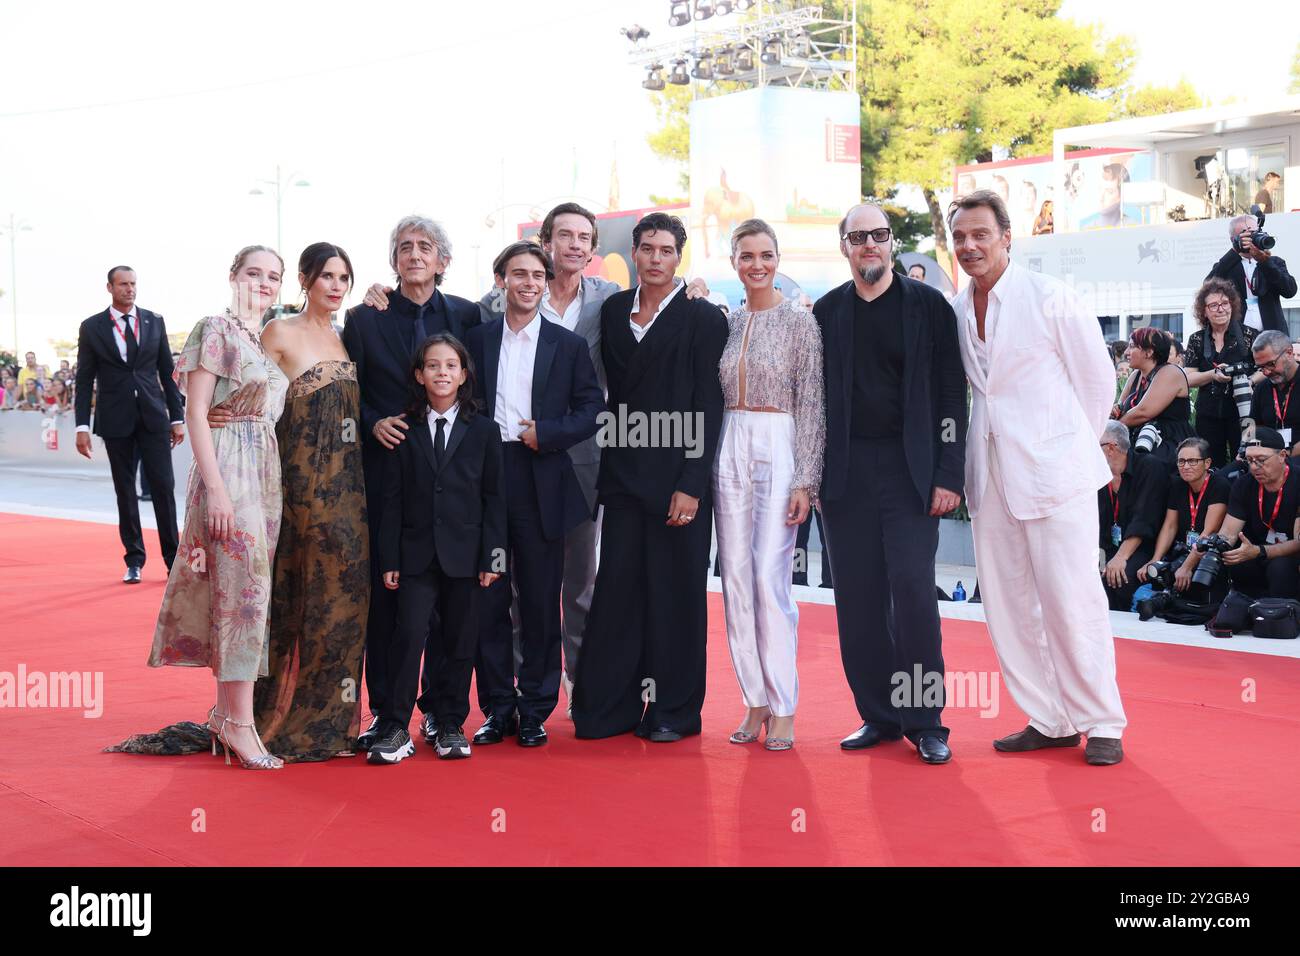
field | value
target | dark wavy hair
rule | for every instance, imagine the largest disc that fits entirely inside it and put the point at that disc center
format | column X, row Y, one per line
column 315, row 257
column 1224, row 288
column 660, row 222
column 418, row 404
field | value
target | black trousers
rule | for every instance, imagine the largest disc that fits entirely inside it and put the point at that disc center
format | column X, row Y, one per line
column 643, row 651
column 536, row 567
column 882, row 542
column 437, row 615
column 1224, row 436
column 1121, row 598
column 151, row 452
column 1276, row 577
column 801, row 548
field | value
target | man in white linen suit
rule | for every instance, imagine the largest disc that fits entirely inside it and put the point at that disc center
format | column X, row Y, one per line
column 1043, row 386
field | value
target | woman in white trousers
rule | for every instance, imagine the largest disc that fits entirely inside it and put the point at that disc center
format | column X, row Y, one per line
column 767, row 470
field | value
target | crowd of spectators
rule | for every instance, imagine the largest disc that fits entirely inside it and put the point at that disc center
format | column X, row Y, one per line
column 34, row 387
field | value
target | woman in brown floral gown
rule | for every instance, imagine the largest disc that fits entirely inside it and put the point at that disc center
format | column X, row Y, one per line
column 308, row 707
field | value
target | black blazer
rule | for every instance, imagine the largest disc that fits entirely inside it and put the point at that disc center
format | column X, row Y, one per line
column 934, row 389
column 141, row 395
column 567, row 399
column 458, row 514
column 383, row 363
column 674, row 369
column 1272, row 284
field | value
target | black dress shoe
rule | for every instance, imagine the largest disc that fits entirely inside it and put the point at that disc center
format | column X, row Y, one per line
column 663, row 734
column 429, row 729
column 495, row 730
column 867, row 736
column 132, row 576
column 933, row 750
column 1103, row 751
column 531, row 732
column 1031, row 738
column 370, row 736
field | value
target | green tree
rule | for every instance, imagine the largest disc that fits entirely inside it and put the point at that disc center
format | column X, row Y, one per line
column 1155, row 100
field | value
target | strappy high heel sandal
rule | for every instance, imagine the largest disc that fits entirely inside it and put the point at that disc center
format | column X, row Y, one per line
column 214, row 732
column 744, row 737
column 259, row 761
column 779, row 743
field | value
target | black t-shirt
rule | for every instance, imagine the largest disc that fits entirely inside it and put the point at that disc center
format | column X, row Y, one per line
column 877, row 410
column 1137, row 508
column 1269, row 399
column 1215, row 491
column 1243, row 503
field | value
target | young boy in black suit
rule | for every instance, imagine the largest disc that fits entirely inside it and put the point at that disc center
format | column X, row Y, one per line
column 442, row 538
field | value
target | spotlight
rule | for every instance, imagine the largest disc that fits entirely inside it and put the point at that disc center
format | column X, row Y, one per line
column 722, row 8
column 743, row 5
column 722, row 64
column 635, row 32
column 678, row 75
column 654, row 79
column 772, row 51
column 800, row 45
column 679, row 13
column 745, row 60
column 703, row 9
column 703, row 66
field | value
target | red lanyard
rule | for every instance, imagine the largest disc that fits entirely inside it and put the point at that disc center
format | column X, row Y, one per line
column 1114, row 500
column 1195, row 507
column 126, row 324
column 1281, row 409
column 1277, row 505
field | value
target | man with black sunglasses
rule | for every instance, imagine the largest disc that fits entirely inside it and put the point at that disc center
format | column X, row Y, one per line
column 895, row 455
column 1264, row 521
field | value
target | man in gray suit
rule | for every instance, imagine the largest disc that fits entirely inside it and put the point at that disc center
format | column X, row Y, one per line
column 570, row 235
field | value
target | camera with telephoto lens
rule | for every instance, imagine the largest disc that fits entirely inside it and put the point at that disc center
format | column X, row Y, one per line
column 1258, row 237
column 1148, row 439
column 1160, row 575
column 1236, row 369
column 1212, row 548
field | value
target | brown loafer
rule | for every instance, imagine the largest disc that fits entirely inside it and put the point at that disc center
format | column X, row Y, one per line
column 1103, row 751
column 1032, row 739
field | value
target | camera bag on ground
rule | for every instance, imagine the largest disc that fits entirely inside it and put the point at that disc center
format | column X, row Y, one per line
column 1233, row 615
column 1183, row 611
column 1276, row 618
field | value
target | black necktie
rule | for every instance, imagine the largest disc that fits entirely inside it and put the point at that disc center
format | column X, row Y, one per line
column 440, row 442
column 132, row 346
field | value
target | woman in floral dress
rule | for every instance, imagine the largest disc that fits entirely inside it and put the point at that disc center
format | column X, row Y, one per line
column 215, row 609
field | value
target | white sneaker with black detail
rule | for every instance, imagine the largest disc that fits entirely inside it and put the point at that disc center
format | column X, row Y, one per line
column 393, row 746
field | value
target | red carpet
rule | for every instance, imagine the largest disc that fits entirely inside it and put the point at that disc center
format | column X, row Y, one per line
column 1207, row 779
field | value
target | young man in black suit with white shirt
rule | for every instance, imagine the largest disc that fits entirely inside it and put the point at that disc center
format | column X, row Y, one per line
column 643, row 654
column 124, row 351
column 536, row 380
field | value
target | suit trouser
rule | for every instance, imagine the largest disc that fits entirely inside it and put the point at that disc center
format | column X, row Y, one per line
column 1046, row 612
column 800, row 575
column 151, row 451
column 882, row 542
column 453, row 602
column 751, row 496
column 536, row 570
column 643, row 652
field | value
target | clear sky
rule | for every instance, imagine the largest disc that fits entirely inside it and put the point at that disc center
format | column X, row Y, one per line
column 132, row 132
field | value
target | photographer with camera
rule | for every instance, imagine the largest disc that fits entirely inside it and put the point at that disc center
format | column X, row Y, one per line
column 1260, row 278
column 1260, row 531
column 1196, row 506
column 1272, row 404
column 1216, row 350
column 1129, row 510
column 1154, row 404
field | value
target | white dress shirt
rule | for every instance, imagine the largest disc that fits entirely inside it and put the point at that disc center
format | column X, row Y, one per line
column 450, row 415
column 639, row 331
column 967, row 304
column 570, row 317
column 1252, row 317
column 514, row 398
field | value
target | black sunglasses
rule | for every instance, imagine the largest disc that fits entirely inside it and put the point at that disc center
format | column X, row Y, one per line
column 859, row 236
